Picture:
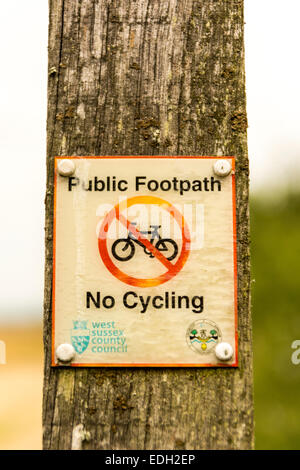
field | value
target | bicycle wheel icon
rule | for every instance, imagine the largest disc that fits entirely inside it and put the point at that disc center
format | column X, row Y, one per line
column 123, row 249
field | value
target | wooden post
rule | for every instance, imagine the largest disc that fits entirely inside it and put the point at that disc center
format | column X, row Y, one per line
column 147, row 77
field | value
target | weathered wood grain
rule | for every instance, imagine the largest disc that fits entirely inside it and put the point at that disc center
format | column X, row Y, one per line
column 149, row 77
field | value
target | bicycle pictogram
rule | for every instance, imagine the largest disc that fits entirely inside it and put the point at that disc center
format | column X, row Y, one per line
column 123, row 249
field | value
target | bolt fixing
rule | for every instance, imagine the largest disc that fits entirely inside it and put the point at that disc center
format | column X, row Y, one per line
column 66, row 167
column 222, row 167
column 224, row 351
column 65, row 352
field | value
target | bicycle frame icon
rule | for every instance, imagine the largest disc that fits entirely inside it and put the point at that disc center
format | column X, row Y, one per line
column 123, row 249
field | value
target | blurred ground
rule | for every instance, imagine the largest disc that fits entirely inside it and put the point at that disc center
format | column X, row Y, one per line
column 275, row 229
column 21, row 388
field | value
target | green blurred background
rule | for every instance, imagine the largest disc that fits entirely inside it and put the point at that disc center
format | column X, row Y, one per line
column 275, row 229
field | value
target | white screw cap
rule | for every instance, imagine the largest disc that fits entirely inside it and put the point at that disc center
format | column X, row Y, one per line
column 66, row 167
column 224, row 351
column 65, row 352
column 222, row 168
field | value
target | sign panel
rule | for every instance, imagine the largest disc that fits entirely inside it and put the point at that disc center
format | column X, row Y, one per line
column 144, row 260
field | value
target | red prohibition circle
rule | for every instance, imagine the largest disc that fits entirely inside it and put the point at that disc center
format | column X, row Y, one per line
column 172, row 269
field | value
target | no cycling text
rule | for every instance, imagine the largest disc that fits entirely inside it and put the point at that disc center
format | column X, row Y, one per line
column 131, row 300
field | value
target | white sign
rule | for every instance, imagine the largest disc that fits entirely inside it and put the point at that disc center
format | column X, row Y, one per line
column 144, row 269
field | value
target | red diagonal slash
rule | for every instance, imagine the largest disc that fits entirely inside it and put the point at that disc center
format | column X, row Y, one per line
column 144, row 240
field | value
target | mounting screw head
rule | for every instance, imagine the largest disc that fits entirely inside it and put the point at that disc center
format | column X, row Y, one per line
column 65, row 352
column 66, row 167
column 222, row 168
column 224, row 351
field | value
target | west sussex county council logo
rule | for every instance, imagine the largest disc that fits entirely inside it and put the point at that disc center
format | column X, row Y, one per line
column 203, row 335
column 80, row 336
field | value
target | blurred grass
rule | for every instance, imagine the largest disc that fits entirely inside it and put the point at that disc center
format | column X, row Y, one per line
column 275, row 232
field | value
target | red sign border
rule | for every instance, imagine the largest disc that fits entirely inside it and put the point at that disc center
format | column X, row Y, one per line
column 220, row 364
